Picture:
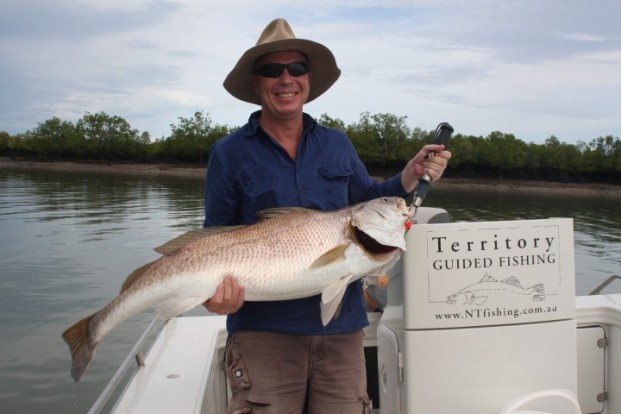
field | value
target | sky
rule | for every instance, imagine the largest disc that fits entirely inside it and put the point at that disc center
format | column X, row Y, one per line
column 531, row 68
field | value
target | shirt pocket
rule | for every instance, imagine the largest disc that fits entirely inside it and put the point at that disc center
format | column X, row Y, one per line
column 335, row 184
column 258, row 193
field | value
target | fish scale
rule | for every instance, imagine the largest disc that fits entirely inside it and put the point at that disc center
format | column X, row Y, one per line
column 294, row 249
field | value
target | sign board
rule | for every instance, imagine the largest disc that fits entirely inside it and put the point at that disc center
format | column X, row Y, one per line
column 489, row 273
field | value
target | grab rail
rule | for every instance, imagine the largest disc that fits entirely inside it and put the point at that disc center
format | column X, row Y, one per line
column 604, row 284
column 134, row 354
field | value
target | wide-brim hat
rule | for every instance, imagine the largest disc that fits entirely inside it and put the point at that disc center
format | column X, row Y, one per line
column 278, row 37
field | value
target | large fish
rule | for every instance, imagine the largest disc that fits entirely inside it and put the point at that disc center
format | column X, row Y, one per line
column 289, row 254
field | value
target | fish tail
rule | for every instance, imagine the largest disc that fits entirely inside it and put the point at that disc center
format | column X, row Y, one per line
column 540, row 293
column 82, row 350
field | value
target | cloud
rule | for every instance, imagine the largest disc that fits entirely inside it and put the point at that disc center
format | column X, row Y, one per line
column 528, row 67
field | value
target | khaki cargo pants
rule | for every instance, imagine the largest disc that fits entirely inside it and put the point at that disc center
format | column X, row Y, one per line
column 292, row 374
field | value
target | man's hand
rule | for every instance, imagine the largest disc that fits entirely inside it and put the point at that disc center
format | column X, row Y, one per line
column 229, row 297
column 431, row 159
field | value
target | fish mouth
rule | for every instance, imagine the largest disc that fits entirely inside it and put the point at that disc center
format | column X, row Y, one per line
column 379, row 226
column 371, row 245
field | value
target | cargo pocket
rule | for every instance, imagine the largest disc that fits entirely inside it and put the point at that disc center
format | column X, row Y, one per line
column 238, row 407
column 238, row 377
column 236, row 371
column 367, row 405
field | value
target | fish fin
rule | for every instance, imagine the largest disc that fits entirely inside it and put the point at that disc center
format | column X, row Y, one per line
column 487, row 278
column 333, row 255
column 471, row 298
column 82, row 351
column 173, row 246
column 178, row 305
column 331, row 297
column 480, row 300
column 270, row 213
column 370, row 280
column 382, row 270
column 135, row 275
column 513, row 281
column 540, row 293
column 380, row 280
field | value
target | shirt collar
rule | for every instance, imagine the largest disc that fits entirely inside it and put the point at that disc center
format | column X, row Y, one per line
column 253, row 125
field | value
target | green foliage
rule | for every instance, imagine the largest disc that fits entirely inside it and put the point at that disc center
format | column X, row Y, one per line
column 110, row 137
column 383, row 141
column 463, row 151
column 503, row 152
column 54, row 139
column 6, row 143
column 191, row 139
column 603, row 156
column 329, row 122
column 560, row 157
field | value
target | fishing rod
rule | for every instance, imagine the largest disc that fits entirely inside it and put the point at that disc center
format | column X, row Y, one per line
column 441, row 137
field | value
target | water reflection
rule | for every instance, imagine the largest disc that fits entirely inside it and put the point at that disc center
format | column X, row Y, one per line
column 69, row 240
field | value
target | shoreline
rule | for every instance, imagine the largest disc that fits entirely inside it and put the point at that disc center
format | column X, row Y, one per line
column 196, row 172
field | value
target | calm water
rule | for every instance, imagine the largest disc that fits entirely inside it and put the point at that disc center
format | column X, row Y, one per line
column 68, row 241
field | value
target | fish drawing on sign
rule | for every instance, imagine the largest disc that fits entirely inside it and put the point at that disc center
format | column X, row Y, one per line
column 478, row 293
column 291, row 253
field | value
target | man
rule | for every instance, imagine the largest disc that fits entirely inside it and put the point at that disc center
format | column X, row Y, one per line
column 279, row 354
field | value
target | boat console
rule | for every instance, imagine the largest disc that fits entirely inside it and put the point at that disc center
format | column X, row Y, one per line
column 486, row 323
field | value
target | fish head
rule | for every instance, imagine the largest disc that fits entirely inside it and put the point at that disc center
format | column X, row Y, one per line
column 384, row 220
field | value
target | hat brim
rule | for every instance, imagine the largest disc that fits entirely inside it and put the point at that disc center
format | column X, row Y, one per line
column 324, row 71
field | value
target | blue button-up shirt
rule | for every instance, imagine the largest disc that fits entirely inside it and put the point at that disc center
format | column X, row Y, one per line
column 249, row 171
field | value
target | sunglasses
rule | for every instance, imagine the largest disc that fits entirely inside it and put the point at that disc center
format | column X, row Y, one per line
column 274, row 70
